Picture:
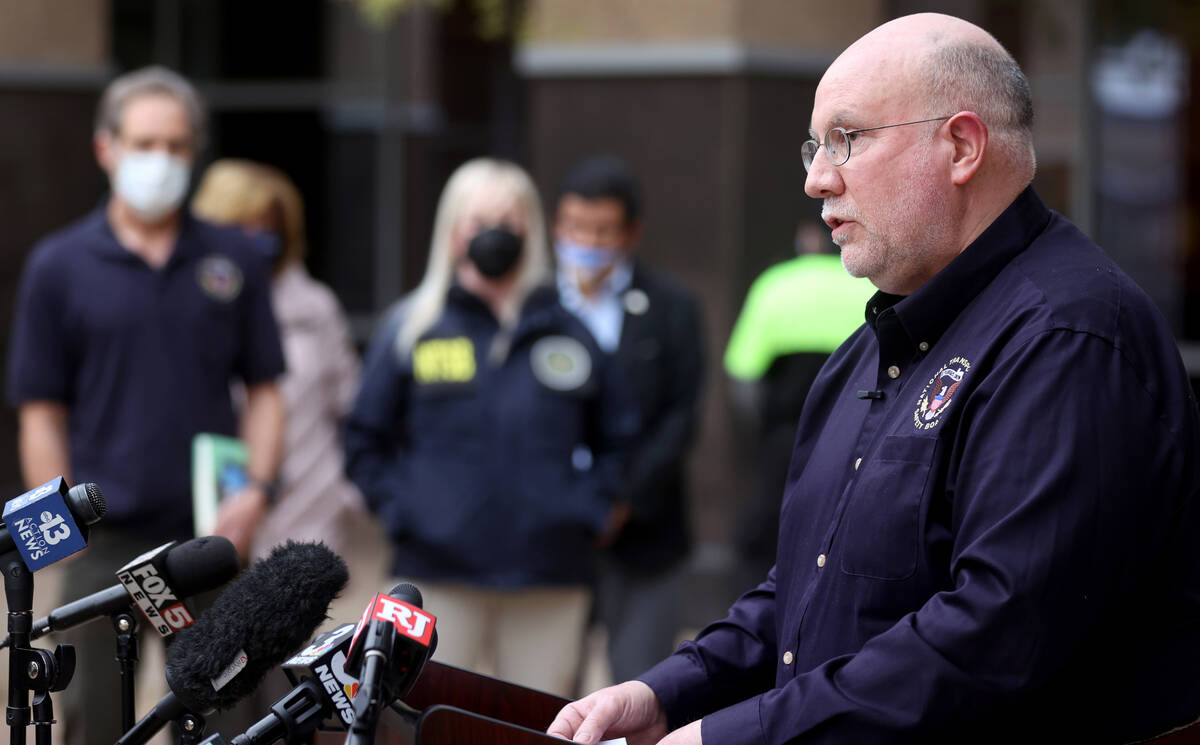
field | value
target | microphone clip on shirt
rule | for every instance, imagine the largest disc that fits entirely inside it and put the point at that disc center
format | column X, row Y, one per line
column 872, row 395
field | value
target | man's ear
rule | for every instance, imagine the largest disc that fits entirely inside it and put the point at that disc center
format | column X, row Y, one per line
column 969, row 135
column 103, row 145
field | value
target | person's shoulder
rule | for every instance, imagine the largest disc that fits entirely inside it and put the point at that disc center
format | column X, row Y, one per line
column 1080, row 285
column 231, row 240
column 663, row 285
column 65, row 243
column 298, row 294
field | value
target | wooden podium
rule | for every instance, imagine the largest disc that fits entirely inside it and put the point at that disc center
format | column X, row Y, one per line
column 452, row 706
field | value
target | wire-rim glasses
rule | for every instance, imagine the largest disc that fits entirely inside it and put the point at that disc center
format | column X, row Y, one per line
column 837, row 142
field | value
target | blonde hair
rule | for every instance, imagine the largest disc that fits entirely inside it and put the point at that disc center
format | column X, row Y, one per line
column 241, row 192
column 426, row 303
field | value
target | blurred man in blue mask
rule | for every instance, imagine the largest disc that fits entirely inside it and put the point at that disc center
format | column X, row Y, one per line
column 651, row 326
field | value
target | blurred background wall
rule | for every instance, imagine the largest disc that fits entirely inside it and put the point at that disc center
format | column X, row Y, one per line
column 369, row 104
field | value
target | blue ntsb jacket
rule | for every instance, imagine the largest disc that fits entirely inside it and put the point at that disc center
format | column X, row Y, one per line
column 492, row 457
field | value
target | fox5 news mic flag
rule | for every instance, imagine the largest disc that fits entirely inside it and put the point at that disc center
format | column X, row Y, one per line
column 187, row 569
column 49, row 523
column 148, row 580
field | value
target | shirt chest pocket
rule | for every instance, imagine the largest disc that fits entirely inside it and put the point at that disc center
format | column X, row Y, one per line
column 881, row 529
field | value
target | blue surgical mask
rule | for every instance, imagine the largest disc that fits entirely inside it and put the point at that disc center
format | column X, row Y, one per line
column 584, row 262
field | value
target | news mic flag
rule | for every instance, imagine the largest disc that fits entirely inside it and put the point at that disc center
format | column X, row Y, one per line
column 49, row 523
column 257, row 622
column 158, row 579
column 190, row 568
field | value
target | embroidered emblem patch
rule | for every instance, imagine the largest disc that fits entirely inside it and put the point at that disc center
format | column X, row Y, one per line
column 444, row 360
column 560, row 363
column 219, row 277
column 939, row 392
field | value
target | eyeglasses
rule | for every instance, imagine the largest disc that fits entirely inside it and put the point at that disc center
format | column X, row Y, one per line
column 837, row 142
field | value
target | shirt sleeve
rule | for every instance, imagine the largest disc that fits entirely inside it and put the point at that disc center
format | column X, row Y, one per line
column 261, row 355
column 1039, row 522
column 729, row 660
column 374, row 426
column 749, row 355
column 613, row 424
column 664, row 442
column 39, row 359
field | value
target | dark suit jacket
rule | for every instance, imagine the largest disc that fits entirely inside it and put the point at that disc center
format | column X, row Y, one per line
column 662, row 354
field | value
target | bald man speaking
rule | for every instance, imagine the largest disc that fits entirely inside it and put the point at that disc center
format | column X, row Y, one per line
column 991, row 528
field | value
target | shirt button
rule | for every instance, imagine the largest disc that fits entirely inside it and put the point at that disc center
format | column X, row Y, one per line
column 857, row 463
column 923, row 346
column 821, row 560
column 787, row 658
column 893, row 372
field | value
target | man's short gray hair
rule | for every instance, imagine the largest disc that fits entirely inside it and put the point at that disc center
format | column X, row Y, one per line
column 962, row 76
column 153, row 80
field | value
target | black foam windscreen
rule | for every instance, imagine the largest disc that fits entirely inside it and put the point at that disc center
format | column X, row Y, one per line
column 201, row 564
column 261, row 619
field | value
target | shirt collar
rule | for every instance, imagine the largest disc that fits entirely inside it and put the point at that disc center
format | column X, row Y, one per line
column 927, row 313
column 108, row 245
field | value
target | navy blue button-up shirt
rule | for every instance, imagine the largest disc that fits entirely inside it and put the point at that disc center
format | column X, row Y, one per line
column 142, row 357
column 990, row 526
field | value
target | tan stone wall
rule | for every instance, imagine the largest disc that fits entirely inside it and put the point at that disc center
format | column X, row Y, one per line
column 807, row 23
column 768, row 22
column 69, row 33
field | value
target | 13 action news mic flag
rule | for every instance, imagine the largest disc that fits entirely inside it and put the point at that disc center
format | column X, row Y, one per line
column 187, row 569
column 49, row 523
column 256, row 623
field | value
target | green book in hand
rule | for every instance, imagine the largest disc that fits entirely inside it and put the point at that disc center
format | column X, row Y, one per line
column 218, row 470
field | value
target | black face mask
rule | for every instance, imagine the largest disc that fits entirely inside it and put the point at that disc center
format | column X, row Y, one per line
column 494, row 252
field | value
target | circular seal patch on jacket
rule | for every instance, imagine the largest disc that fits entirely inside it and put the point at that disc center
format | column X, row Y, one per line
column 560, row 363
column 939, row 392
column 219, row 277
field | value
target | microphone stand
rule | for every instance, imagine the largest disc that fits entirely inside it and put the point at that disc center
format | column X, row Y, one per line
column 125, row 625
column 18, row 590
column 30, row 670
column 368, row 699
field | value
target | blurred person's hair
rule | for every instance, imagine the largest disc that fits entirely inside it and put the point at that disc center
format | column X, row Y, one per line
column 148, row 81
column 243, row 192
column 604, row 177
column 428, row 300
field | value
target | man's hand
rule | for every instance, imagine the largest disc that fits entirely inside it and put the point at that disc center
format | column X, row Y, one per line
column 689, row 734
column 629, row 710
column 618, row 518
column 240, row 515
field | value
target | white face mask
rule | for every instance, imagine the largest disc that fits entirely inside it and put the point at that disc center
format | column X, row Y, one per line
column 152, row 183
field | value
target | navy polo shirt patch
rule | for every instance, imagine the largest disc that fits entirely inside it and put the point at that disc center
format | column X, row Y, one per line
column 560, row 363
column 219, row 277
column 938, row 393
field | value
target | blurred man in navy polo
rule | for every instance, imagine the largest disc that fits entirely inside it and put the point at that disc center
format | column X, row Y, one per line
column 990, row 525
column 130, row 325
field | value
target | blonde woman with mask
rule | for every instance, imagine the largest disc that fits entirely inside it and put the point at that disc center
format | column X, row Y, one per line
column 489, row 436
